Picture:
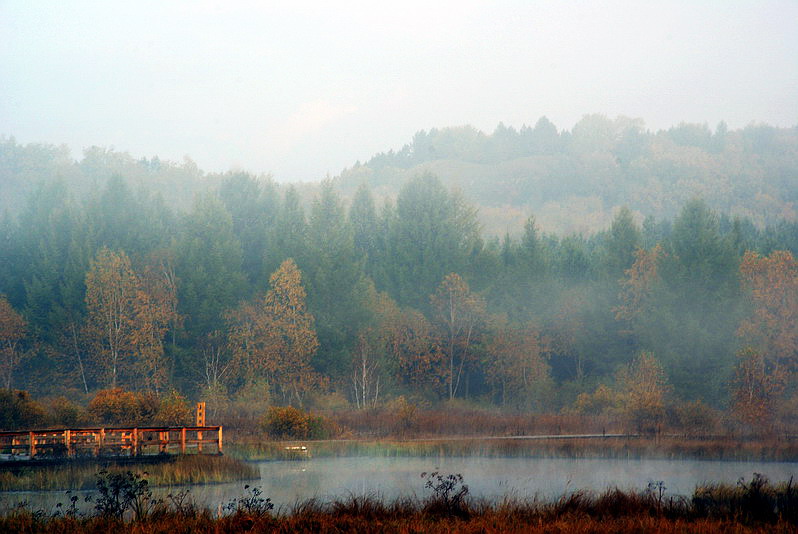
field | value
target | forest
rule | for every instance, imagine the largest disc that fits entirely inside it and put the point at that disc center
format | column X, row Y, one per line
column 157, row 278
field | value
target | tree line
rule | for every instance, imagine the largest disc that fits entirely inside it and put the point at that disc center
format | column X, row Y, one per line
column 251, row 293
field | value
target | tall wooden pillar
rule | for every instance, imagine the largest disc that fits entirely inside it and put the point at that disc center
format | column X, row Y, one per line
column 200, row 414
column 68, row 442
column 135, row 442
column 32, row 438
column 220, row 440
column 183, row 440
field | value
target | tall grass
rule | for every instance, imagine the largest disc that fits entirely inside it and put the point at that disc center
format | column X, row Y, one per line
column 755, row 506
column 614, row 448
column 174, row 470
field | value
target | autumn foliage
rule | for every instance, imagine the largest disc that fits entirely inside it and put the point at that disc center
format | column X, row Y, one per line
column 12, row 331
column 274, row 337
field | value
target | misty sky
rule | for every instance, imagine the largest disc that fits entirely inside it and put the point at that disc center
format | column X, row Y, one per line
column 305, row 89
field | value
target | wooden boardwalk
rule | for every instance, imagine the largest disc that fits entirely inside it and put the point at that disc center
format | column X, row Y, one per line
column 109, row 442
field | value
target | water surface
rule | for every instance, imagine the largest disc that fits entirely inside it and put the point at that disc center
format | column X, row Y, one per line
column 287, row 482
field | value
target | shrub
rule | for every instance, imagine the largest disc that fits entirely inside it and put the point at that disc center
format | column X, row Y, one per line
column 174, row 410
column 603, row 401
column 18, row 410
column 119, row 492
column 63, row 412
column 695, row 418
column 449, row 495
column 287, row 422
column 119, row 407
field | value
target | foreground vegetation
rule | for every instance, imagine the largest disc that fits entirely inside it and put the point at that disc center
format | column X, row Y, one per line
column 178, row 470
column 125, row 504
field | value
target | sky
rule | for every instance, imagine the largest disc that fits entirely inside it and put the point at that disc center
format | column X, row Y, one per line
column 302, row 90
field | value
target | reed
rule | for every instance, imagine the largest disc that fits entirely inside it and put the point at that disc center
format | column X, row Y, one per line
column 176, row 470
column 613, row 448
column 755, row 506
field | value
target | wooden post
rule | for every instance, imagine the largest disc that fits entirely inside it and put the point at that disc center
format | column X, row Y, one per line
column 135, row 441
column 200, row 414
column 220, row 440
column 32, row 438
column 199, row 440
column 68, row 442
column 163, row 441
column 101, row 442
column 183, row 440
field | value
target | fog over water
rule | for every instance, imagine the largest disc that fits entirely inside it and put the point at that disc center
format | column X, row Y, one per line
column 289, row 482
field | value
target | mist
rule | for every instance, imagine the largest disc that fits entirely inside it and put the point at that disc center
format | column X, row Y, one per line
column 301, row 92
column 465, row 230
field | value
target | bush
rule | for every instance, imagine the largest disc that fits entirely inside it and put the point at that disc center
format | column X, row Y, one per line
column 694, row 418
column 287, row 422
column 174, row 410
column 65, row 413
column 119, row 407
column 603, row 401
column 18, row 411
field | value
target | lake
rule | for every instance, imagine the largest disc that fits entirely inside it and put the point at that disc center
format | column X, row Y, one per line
column 287, row 482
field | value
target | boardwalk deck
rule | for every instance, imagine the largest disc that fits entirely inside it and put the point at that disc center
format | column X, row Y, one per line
column 102, row 442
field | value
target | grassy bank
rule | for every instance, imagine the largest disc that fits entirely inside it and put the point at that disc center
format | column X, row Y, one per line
column 756, row 506
column 614, row 448
column 177, row 470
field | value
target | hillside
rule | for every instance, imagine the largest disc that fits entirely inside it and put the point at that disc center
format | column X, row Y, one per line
column 574, row 181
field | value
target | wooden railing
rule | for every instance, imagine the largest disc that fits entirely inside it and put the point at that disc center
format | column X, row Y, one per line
column 129, row 441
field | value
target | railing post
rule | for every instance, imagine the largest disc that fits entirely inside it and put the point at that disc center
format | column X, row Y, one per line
column 135, row 441
column 199, row 440
column 220, row 440
column 183, row 440
column 68, row 442
column 32, row 438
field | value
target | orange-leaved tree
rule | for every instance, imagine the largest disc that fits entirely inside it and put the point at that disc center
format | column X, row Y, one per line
column 637, row 287
column 517, row 364
column 772, row 326
column 274, row 338
column 756, row 387
column 459, row 313
column 12, row 331
column 643, row 388
column 402, row 340
column 127, row 319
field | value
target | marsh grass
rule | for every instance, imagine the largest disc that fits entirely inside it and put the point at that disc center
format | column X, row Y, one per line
column 610, row 448
column 177, row 470
column 755, row 506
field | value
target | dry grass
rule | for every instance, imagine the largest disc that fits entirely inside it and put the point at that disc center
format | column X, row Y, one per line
column 178, row 470
column 757, row 506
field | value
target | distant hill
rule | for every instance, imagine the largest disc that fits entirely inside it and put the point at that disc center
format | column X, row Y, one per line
column 573, row 181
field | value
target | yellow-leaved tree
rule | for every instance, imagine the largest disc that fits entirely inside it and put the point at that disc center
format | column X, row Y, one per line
column 12, row 331
column 111, row 292
column 274, row 338
column 126, row 322
column 517, row 365
column 643, row 387
column 459, row 313
column 772, row 326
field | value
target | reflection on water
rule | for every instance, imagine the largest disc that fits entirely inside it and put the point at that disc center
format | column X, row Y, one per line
column 493, row 478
